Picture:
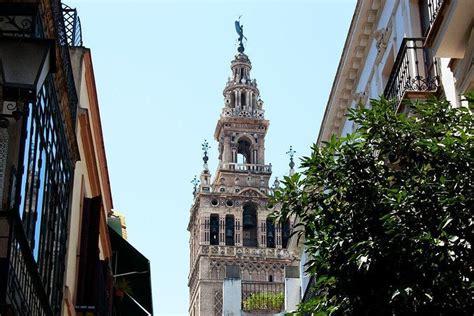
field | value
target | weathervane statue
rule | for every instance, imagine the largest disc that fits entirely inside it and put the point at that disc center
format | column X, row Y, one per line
column 240, row 30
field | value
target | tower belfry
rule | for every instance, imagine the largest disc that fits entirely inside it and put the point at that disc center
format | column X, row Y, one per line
column 229, row 221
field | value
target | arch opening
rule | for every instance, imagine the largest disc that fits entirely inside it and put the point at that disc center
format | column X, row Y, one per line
column 250, row 226
column 243, row 152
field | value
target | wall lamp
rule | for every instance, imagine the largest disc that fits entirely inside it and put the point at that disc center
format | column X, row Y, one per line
column 24, row 66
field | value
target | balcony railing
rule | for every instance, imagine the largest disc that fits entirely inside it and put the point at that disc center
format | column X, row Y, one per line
column 216, row 250
column 25, row 294
column 72, row 24
column 255, row 168
column 311, row 290
column 414, row 73
column 431, row 15
column 263, row 297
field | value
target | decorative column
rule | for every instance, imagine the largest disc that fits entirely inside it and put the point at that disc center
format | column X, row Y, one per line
column 238, row 230
column 278, row 236
column 205, row 234
column 222, row 229
column 263, row 233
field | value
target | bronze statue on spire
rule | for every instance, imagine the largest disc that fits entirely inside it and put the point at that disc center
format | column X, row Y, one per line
column 239, row 28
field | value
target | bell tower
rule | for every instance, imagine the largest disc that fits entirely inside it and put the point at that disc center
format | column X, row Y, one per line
column 229, row 219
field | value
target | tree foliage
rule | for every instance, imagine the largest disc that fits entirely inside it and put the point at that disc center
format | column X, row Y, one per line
column 386, row 213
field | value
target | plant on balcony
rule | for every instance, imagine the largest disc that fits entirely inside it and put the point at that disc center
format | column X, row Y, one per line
column 264, row 301
column 386, row 213
column 122, row 286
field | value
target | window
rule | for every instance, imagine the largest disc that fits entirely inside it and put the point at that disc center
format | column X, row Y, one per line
column 285, row 234
column 229, row 230
column 214, row 229
column 250, row 225
column 270, row 233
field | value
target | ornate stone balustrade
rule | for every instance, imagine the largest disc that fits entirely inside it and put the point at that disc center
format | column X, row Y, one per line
column 217, row 250
column 255, row 168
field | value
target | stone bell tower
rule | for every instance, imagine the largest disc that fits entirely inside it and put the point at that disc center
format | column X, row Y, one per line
column 229, row 219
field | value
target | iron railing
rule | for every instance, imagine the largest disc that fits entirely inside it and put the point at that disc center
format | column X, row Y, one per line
column 72, row 25
column 432, row 9
column 414, row 71
column 263, row 296
column 63, row 43
column 25, row 292
column 311, row 290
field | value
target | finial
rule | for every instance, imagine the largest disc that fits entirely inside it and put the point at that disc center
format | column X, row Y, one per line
column 276, row 183
column 239, row 28
column 205, row 148
column 291, row 153
column 195, row 183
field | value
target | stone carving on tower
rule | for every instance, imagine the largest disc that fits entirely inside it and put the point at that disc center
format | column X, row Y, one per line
column 229, row 219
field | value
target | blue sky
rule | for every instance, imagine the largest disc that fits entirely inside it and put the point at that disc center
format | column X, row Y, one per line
column 160, row 68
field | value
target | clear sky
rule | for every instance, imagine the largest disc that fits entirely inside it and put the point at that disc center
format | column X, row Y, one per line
column 160, row 68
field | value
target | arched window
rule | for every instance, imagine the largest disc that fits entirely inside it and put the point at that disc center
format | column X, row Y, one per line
column 285, row 233
column 270, row 233
column 250, row 225
column 243, row 98
column 214, row 229
column 243, row 152
column 229, row 230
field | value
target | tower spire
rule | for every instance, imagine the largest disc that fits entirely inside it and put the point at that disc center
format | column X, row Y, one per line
column 291, row 153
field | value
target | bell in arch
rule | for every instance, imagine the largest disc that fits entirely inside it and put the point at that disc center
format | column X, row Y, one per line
column 249, row 221
column 270, row 234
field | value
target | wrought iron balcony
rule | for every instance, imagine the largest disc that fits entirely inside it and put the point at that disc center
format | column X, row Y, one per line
column 431, row 15
column 414, row 74
column 245, row 167
column 25, row 294
column 263, row 297
column 72, row 25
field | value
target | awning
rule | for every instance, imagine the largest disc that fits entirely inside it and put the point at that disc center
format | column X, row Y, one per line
column 131, row 270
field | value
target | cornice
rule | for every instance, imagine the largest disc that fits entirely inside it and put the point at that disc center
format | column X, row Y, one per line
column 96, row 129
column 353, row 58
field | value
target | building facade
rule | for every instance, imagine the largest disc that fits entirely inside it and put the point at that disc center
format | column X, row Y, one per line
column 231, row 233
column 56, row 253
column 39, row 151
column 400, row 49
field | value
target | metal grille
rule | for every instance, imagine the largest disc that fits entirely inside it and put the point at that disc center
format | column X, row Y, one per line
column 62, row 39
column 39, row 246
column 72, row 25
column 25, row 291
column 263, row 296
column 48, row 159
column 218, row 303
column 3, row 160
column 16, row 25
column 414, row 71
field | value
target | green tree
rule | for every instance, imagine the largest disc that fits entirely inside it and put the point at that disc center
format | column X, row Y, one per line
column 386, row 213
